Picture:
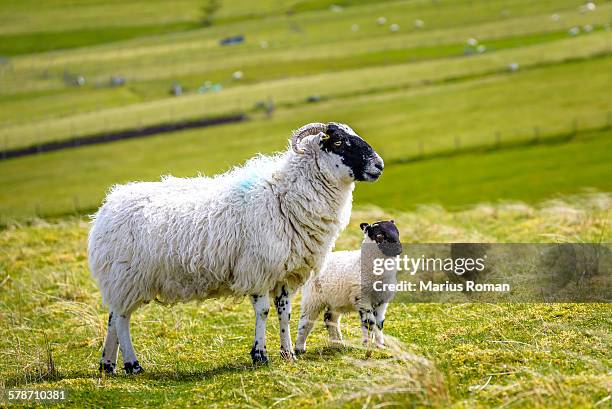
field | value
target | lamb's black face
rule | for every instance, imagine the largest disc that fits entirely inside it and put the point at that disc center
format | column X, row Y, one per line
column 355, row 153
column 385, row 235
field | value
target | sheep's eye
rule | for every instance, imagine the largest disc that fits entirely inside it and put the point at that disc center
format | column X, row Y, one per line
column 338, row 143
column 380, row 237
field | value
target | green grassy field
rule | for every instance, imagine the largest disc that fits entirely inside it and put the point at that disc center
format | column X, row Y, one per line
column 441, row 355
column 474, row 152
column 38, row 105
column 411, row 93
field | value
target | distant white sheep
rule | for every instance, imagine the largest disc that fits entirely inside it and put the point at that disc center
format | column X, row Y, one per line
column 346, row 284
column 256, row 230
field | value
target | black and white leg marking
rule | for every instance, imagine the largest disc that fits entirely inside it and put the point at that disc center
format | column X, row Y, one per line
column 368, row 323
column 108, row 362
column 261, row 307
column 379, row 314
column 130, row 363
column 332, row 323
column 282, row 302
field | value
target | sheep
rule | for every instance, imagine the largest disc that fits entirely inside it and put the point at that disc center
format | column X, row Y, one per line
column 256, row 230
column 346, row 283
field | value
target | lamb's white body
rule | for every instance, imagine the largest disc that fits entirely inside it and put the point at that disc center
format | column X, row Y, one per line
column 256, row 230
column 344, row 285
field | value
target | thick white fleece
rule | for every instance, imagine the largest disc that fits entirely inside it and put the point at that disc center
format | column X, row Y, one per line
column 346, row 283
column 272, row 220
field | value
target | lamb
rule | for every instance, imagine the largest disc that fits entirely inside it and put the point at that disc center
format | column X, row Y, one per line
column 346, row 283
column 257, row 230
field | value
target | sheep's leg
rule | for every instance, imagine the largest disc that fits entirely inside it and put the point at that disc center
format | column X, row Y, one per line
column 130, row 363
column 108, row 361
column 261, row 306
column 306, row 324
column 332, row 323
column 282, row 302
column 379, row 314
column 368, row 322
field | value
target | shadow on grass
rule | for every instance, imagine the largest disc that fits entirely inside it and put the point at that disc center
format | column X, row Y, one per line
column 329, row 352
column 150, row 374
column 200, row 374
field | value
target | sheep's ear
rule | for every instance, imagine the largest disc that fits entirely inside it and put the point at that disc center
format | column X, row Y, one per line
column 364, row 226
column 392, row 221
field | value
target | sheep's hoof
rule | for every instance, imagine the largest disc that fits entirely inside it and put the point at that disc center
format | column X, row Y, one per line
column 107, row 368
column 288, row 355
column 380, row 345
column 132, row 368
column 260, row 356
column 300, row 351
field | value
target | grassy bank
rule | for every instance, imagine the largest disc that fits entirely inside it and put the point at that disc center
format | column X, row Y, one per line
column 441, row 355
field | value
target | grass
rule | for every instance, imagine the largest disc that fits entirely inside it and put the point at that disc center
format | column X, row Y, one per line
column 47, row 185
column 443, row 355
column 63, row 16
column 527, row 173
column 474, row 153
column 30, row 120
column 294, row 65
column 26, row 43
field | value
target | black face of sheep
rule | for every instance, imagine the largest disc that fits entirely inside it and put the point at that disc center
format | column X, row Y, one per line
column 386, row 235
column 355, row 153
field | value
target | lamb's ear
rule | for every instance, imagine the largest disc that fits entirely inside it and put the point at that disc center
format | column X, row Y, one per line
column 364, row 226
column 392, row 221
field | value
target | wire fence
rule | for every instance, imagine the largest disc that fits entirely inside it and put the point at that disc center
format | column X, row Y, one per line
column 423, row 149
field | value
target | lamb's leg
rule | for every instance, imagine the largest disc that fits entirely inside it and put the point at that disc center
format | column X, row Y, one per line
column 108, row 361
column 332, row 323
column 307, row 320
column 261, row 306
column 282, row 302
column 130, row 363
column 379, row 314
column 368, row 323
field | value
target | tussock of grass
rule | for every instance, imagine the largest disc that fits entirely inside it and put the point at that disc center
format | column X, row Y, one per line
column 579, row 218
column 459, row 355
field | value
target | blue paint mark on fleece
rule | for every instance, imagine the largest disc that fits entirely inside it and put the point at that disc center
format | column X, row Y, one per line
column 248, row 183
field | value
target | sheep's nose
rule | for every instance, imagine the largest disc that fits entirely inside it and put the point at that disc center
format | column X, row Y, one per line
column 378, row 162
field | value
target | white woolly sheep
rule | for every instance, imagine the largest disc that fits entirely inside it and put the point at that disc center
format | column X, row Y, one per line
column 346, row 284
column 256, row 230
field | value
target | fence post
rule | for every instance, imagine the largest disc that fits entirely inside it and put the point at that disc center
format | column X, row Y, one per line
column 39, row 142
column 497, row 139
column 421, row 149
column 457, row 142
column 575, row 126
column 609, row 120
column 536, row 134
column 37, row 209
column 4, row 152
